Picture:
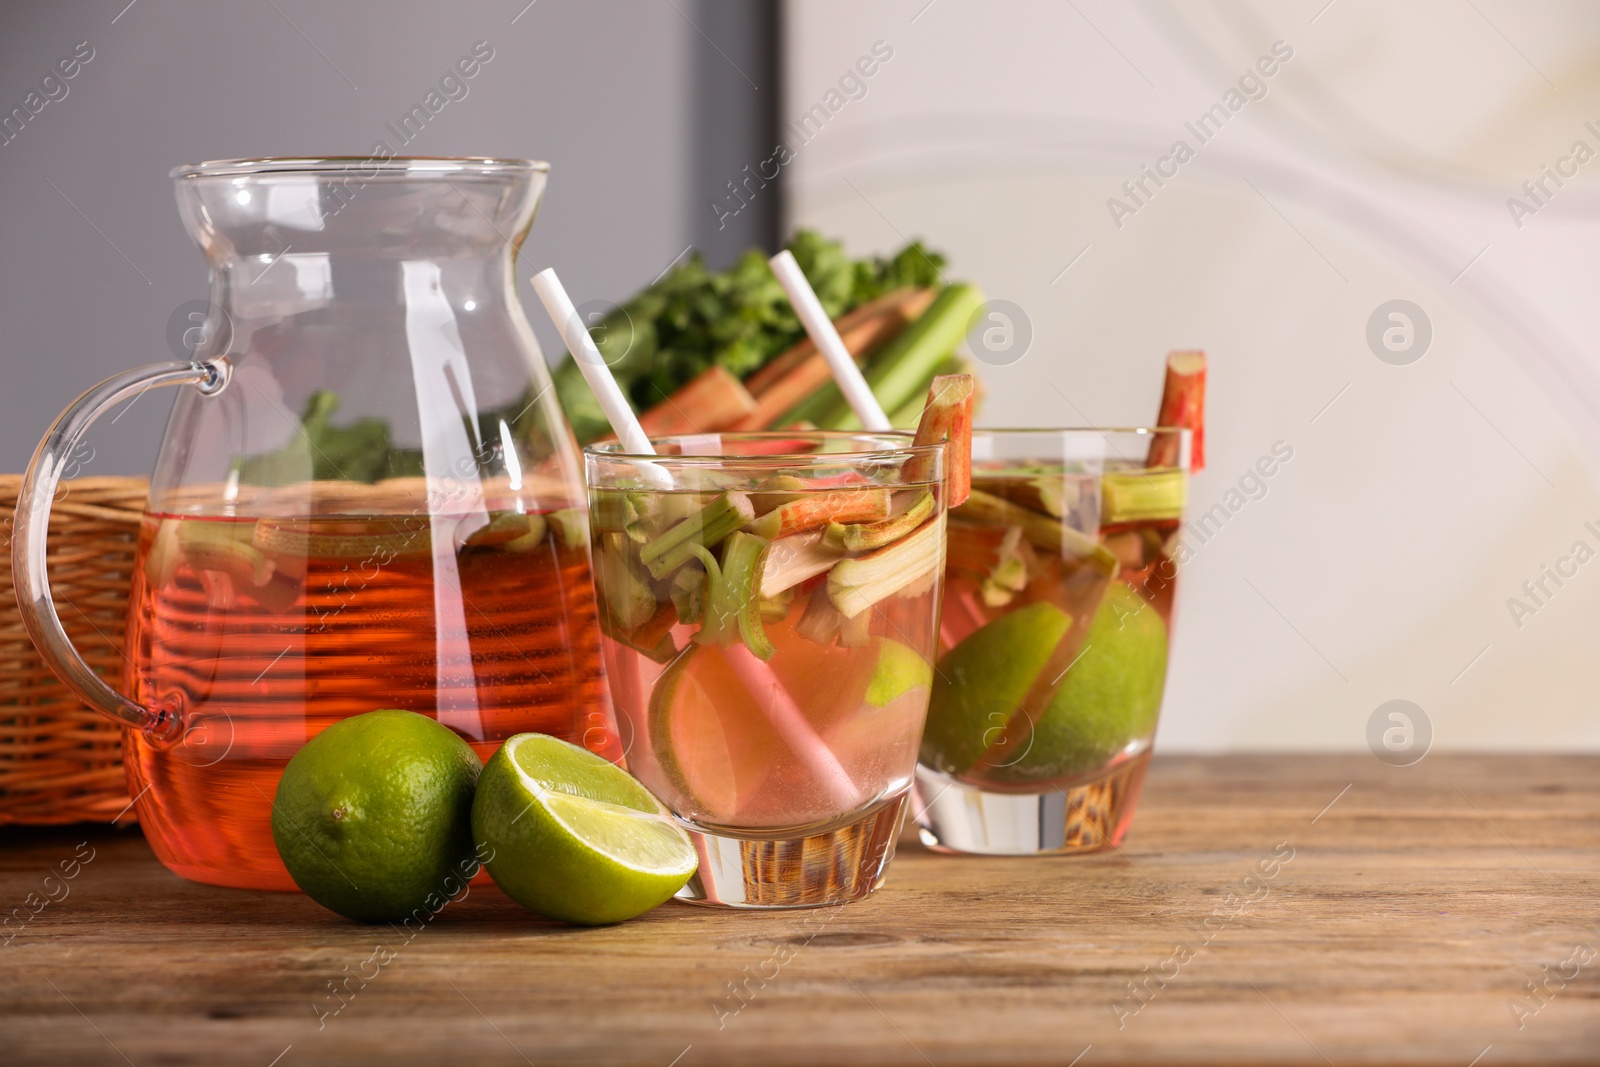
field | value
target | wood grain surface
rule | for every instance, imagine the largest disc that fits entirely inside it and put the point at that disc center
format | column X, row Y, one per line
column 1272, row 909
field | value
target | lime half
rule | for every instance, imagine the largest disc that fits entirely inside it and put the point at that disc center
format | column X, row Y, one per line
column 574, row 837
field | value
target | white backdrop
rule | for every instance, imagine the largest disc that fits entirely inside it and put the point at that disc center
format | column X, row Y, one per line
column 1375, row 164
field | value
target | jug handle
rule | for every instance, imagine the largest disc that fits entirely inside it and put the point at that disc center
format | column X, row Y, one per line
column 32, row 527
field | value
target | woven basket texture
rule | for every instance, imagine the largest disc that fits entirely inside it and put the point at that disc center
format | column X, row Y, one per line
column 60, row 761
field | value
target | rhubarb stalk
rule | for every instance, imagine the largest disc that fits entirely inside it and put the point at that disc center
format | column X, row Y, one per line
column 947, row 420
column 1183, row 404
column 791, row 560
column 814, row 511
column 898, row 371
column 1041, row 530
column 675, row 547
column 711, row 401
column 572, row 526
column 1008, row 576
column 733, row 605
column 856, row 584
column 1129, row 496
column 820, row 621
column 625, row 595
column 864, row 537
column 802, row 371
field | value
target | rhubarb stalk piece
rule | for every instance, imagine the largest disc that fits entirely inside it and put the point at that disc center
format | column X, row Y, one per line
column 776, row 491
column 716, row 520
column 688, row 593
column 1183, row 404
column 821, row 620
column 733, row 606
column 1008, row 576
column 864, row 537
column 855, row 631
column 856, row 584
column 538, row 526
column 626, row 596
column 610, row 512
column 947, row 419
column 225, row 548
column 1131, row 496
column 791, row 560
column 791, row 377
column 815, row 511
column 711, row 401
column 1042, row 531
column 571, row 526
column 1054, row 494
column 862, row 330
column 898, row 371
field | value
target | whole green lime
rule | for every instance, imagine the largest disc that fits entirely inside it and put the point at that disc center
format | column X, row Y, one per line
column 573, row 837
column 1110, row 697
column 373, row 817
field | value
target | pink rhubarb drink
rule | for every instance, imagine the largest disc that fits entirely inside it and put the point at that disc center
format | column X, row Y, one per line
column 769, row 611
column 1061, row 572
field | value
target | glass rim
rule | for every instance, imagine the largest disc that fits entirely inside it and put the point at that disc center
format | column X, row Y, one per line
column 475, row 166
column 1144, row 431
column 612, row 450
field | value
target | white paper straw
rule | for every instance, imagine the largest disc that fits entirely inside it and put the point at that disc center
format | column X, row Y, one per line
column 790, row 724
column 857, row 393
column 591, row 363
column 595, row 371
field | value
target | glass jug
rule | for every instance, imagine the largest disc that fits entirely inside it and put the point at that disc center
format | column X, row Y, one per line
column 367, row 498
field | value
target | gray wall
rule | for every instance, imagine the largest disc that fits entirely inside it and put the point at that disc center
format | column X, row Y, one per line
column 644, row 110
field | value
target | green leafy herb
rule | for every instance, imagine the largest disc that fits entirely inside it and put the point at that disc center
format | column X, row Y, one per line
column 692, row 319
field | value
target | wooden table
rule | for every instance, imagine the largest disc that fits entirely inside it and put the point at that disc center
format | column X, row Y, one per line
column 1272, row 909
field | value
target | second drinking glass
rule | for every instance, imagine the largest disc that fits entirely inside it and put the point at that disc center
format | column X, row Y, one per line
column 770, row 607
column 1061, row 576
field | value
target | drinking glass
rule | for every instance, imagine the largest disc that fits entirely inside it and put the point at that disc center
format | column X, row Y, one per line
column 1060, row 578
column 769, row 604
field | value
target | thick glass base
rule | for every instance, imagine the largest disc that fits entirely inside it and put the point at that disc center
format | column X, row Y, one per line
column 1080, row 816
column 833, row 867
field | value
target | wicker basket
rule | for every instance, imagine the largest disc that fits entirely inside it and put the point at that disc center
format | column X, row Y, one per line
column 61, row 762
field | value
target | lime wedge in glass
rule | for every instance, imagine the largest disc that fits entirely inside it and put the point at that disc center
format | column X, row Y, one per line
column 574, row 837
